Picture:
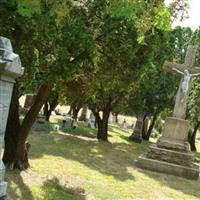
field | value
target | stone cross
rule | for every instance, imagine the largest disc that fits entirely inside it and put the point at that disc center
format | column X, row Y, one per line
column 10, row 69
column 187, row 70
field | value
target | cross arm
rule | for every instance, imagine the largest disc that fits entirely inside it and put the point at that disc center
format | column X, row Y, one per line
column 195, row 70
column 168, row 66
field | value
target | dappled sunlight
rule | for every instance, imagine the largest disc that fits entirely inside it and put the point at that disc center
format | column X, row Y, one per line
column 86, row 167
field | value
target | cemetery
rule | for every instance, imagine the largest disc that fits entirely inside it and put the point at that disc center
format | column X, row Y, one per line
column 99, row 100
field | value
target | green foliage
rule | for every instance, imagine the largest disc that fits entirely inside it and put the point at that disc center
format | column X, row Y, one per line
column 28, row 7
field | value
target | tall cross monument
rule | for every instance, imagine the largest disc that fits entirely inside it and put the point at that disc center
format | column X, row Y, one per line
column 187, row 70
column 171, row 153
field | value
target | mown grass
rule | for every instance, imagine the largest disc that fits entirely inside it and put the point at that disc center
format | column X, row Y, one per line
column 73, row 165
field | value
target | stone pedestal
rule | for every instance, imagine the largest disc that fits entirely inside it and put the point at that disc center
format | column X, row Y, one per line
column 175, row 134
column 10, row 69
column 137, row 133
column 39, row 124
column 171, row 152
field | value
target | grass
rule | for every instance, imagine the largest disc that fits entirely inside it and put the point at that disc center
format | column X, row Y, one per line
column 73, row 165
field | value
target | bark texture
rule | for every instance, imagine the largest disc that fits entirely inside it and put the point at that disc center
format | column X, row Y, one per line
column 16, row 151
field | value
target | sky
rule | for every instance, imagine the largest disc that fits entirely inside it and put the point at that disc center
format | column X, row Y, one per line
column 194, row 15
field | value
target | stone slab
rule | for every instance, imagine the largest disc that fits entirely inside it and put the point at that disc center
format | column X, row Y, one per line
column 173, row 144
column 176, row 129
column 175, row 134
column 171, row 156
column 169, row 168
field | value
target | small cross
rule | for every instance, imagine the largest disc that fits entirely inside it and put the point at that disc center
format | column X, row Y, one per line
column 188, row 64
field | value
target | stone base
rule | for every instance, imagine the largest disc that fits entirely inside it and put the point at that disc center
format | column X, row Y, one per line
column 171, row 156
column 191, row 172
column 174, row 135
column 173, row 144
column 3, row 188
column 136, row 138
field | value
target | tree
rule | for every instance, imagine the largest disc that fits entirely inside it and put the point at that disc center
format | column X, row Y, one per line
column 49, row 55
column 50, row 104
column 124, row 47
column 193, row 101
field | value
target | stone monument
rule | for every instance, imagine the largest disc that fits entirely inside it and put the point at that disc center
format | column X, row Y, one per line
column 137, row 132
column 10, row 69
column 171, row 153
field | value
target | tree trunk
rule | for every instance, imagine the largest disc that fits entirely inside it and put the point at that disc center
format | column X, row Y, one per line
column 46, row 108
column 143, row 126
column 75, row 112
column 52, row 106
column 83, row 114
column 151, row 127
column 116, row 118
column 12, row 129
column 21, row 158
column 71, row 109
column 192, row 138
column 102, row 133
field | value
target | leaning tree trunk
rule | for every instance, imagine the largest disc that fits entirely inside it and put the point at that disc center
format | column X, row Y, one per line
column 21, row 156
column 102, row 133
column 12, row 129
column 192, row 138
column 151, row 127
column 52, row 106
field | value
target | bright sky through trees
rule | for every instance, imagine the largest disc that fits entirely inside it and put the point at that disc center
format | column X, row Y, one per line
column 194, row 15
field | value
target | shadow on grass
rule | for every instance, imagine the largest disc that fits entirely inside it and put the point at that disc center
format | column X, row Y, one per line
column 106, row 158
column 17, row 180
column 186, row 186
column 53, row 190
column 109, row 159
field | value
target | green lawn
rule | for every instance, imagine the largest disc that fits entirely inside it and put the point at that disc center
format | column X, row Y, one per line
column 73, row 165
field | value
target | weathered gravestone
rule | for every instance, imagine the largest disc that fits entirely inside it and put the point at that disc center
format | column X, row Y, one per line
column 91, row 123
column 171, row 152
column 39, row 124
column 137, row 132
column 10, row 69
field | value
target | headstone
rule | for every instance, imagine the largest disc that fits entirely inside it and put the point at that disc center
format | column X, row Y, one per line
column 39, row 124
column 69, row 122
column 30, row 98
column 171, row 153
column 111, row 118
column 137, row 132
column 124, row 124
column 10, row 69
column 91, row 123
